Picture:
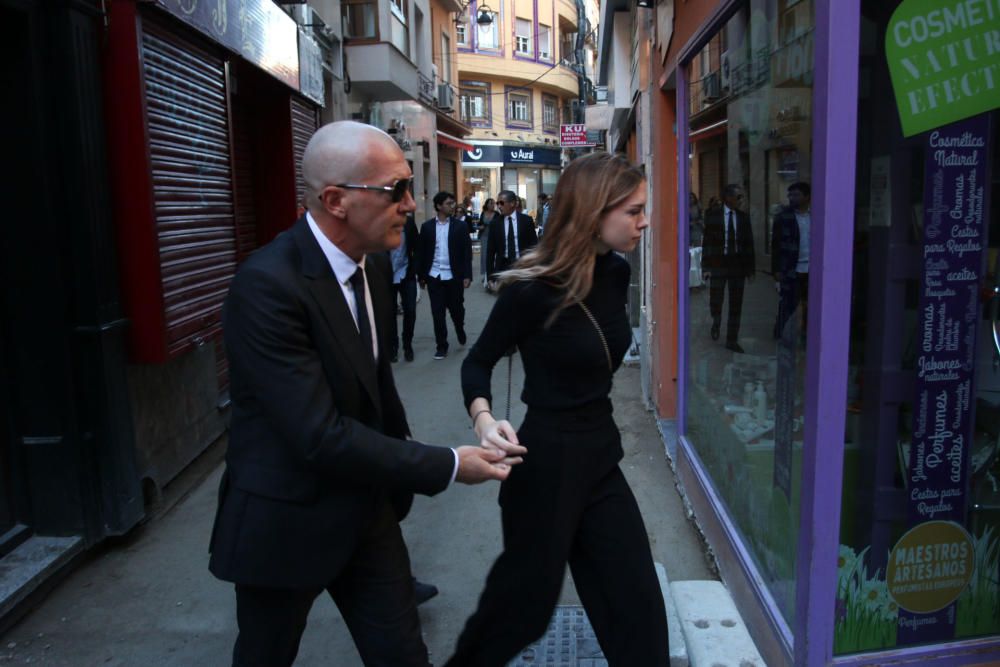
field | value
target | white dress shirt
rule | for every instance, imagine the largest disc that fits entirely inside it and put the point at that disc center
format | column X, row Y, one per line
column 725, row 227
column 441, row 266
column 803, row 263
column 344, row 268
column 510, row 222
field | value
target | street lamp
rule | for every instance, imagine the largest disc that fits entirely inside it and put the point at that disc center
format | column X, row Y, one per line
column 484, row 15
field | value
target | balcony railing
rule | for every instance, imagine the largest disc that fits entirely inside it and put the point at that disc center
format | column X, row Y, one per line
column 428, row 92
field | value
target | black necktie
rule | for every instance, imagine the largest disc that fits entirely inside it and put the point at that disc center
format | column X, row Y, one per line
column 361, row 309
column 731, row 245
column 511, row 243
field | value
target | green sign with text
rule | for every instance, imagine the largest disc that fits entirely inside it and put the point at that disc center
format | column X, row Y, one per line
column 944, row 58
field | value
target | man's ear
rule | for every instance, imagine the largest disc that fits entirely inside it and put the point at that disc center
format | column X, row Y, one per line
column 332, row 199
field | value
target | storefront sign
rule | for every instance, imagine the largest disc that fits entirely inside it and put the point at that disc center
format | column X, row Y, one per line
column 574, row 135
column 511, row 155
column 949, row 310
column 311, row 69
column 944, row 59
column 256, row 29
column 930, row 566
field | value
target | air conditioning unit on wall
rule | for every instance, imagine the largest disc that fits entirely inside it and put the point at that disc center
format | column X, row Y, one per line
column 446, row 98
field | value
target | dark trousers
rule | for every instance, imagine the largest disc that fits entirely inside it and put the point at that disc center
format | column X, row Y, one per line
column 569, row 503
column 404, row 292
column 793, row 294
column 717, row 287
column 446, row 295
column 374, row 593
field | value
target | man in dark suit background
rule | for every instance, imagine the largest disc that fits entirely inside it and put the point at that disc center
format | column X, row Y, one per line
column 316, row 451
column 404, row 261
column 728, row 260
column 790, row 255
column 445, row 269
column 512, row 237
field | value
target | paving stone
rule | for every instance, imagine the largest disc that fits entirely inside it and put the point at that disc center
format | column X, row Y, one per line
column 568, row 642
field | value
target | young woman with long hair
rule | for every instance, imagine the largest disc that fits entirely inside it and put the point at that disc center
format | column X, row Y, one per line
column 563, row 307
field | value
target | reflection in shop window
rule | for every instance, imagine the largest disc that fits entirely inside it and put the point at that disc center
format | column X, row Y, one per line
column 749, row 143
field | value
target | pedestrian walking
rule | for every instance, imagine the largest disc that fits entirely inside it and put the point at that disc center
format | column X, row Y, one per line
column 317, row 455
column 728, row 261
column 509, row 240
column 563, row 307
column 404, row 287
column 445, row 269
column 487, row 218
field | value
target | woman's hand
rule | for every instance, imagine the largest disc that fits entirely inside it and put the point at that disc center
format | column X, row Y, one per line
column 498, row 437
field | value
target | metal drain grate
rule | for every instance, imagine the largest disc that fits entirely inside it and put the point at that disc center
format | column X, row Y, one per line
column 569, row 642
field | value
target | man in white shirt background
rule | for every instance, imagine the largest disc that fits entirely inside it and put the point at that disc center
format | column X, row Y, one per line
column 790, row 255
column 445, row 269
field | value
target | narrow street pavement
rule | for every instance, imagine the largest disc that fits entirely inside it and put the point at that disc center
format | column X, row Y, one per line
column 150, row 600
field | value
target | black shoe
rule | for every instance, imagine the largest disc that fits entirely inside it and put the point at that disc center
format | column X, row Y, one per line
column 715, row 332
column 408, row 353
column 441, row 353
column 423, row 592
column 735, row 347
column 460, row 334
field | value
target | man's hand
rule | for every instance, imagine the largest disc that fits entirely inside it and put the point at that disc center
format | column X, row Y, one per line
column 467, row 282
column 478, row 464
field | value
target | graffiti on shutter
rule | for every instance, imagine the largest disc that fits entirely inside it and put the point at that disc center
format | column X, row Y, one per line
column 192, row 182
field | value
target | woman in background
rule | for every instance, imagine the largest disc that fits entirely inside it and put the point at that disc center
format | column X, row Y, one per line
column 486, row 218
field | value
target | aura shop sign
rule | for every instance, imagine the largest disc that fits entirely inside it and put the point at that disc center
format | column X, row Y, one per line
column 944, row 59
column 509, row 155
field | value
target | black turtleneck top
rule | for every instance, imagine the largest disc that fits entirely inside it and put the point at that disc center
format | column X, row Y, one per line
column 565, row 366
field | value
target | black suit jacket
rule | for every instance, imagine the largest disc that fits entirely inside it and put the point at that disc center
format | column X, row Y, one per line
column 315, row 436
column 459, row 249
column 714, row 259
column 785, row 244
column 527, row 238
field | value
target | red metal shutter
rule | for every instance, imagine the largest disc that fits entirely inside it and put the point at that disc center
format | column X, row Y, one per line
column 305, row 121
column 192, row 182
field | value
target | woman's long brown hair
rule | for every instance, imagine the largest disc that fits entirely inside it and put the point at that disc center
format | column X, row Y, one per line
column 588, row 189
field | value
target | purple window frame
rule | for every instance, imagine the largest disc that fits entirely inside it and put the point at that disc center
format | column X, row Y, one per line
column 488, row 123
column 555, row 100
column 472, row 32
column 835, row 97
column 518, row 124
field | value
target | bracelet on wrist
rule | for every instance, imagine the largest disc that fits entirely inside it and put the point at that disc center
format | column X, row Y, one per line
column 476, row 416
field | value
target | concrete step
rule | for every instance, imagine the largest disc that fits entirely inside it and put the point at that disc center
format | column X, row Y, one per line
column 678, row 647
column 714, row 632
column 24, row 569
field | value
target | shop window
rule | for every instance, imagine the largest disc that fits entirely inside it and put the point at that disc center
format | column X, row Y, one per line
column 550, row 114
column 920, row 528
column 474, row 103
column 522, row 37
column 749, row 160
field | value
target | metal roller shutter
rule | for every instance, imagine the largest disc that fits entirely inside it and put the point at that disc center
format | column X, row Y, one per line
column 305, row 121
column 192, row 182
column 447, row 175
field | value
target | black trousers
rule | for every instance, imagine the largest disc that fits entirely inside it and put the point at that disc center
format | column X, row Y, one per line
column 446, row 295
column 720, row 279
column 793, row 294
column 374, row 593
column 569, row 503
column 404, row 292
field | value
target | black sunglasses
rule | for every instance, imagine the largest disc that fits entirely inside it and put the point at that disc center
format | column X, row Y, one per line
column 396, row 191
